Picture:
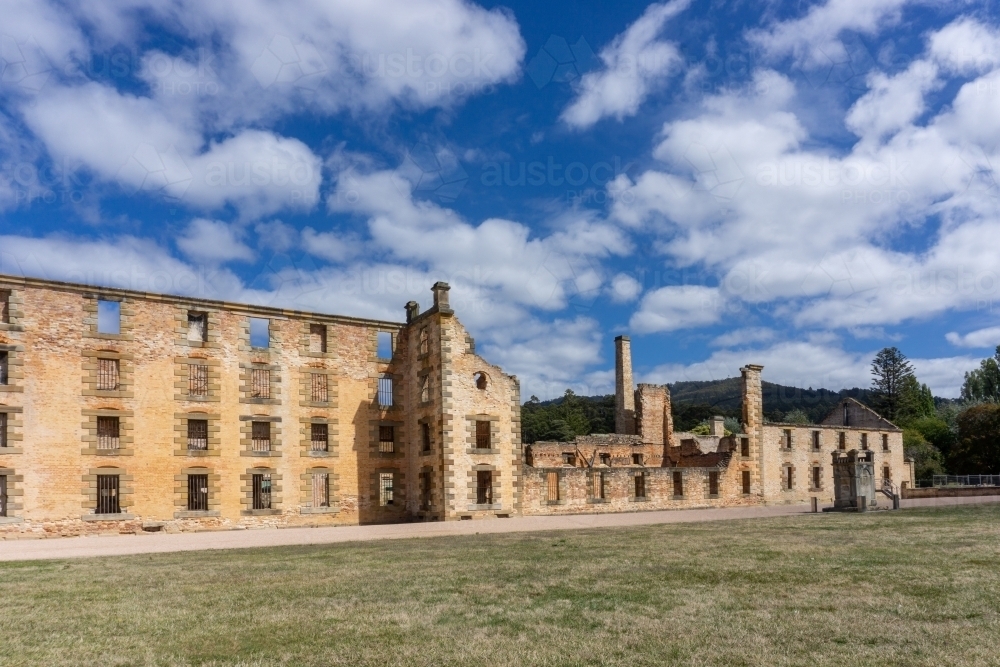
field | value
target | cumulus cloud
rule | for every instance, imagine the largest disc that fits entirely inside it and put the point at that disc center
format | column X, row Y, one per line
column 677, row 307
column 743, row 337
column 634, row 63
column 213, row 242
column 624, row 288
column 982, row 338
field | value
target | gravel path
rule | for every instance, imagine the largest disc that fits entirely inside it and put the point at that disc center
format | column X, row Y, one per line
column 122, row 545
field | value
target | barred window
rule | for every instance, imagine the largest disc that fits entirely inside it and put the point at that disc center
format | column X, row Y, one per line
column 260, row 436
column 197, row 327
column 197, row 499
column 484, row 487
column 108, row 431
column 387, row 439
column 4, row 367
column 385, row 392
column 318, row 391
column 321, row 489
column 3, row 429
column 482, row 435
column 107, row 495
column 552, row 486
column 319, row 435
column 425, row 436
column 197, row 380
column 713, row 483
column 197, row 437
column 108, row 374
column 385, row 489
column 260, row 383
column 317, row 338
column 261, row 491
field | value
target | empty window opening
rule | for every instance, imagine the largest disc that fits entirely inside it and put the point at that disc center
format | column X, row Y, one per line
column 788, row 438
column 483, row 435
column 319, row 436
column 108, row 374
column 260, row 436
column 260, row 383
column 3, row 495
column 744, row 446
column 425, row 389
column 713, row 483
column 815, row 440
column 842, row 440
column 4, row 306
column 552, row 487
column 481, row 380
column 384, row 350
column 789, row 479
column 640, row 485
column 746, row 482
column 384, row 396
column 386, row 489
column 197, row 327
column 678, row 484
column 637, row 459
column 886, row 473
column 3, row 429
column 317, row 338
column 817, row 477
column 109, row 317
column 425, row 490
column 197, row 500
column 599, row 481
column 484, row 487
column 424, row 342
column 197, row 380
column 4, row 368
column 606, row 459
column 864, row 441
column 197, row 438
column 847, row 416
column 319, row 391
column 261, row 491
column 108, row 433
column 321, row 489
column 425, row 436
column 569, row 459
column 885, row 442
column 260, row 332
column 107, row 495
column 387, row 439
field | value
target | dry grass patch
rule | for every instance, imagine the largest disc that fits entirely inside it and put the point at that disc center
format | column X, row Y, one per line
column 919, row 587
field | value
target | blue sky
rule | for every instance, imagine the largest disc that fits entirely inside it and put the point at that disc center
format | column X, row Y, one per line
column 793, row 184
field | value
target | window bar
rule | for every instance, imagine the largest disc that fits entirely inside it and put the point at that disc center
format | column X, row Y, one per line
column 197, row 379
column 321, row 489
column 108, row 432
column 197, row 434
column 320, row 393
column 107, row 495
column 260, row 436
column 107, row 374
column 320, row 437
column 197, row 493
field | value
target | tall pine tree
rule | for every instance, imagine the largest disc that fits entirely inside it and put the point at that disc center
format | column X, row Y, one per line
column 892, row 375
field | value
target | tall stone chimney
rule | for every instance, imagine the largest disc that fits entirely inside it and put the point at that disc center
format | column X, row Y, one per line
column 440, row 290
column 624, row 389
column 412, row 311
column 753, row 397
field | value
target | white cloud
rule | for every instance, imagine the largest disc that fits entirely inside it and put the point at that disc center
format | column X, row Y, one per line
column 330, row 246
column 633, row 64
column 982, row 338
column 213, row 242
column 276, row 236
column 966, row 46
column 624, row 288
column 677, row 307
column 743, row 337
column 894, row 102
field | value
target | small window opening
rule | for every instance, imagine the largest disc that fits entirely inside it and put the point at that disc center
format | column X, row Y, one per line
column 425, row 389
column 108, row 374
column 424, row 342
column 815, row 440
column 197, row 327
column 569, row 458
column 606, row 459
column 261, row 491
column 260, row 436
column 317, row 338
column 788, row 438
column 789, row 479
column 321, row 489
column 3, row 495
column 197, row 380
column 847, row 416
column 481, row 380
column 885, row 442
column 4, row 368
column 5, row 306
column 109, row 317
column 640, row 485
column 260, row 332
column 678, row 484
column 197, row 438
column 319, row 391
column 108, row 501
column 599, row 488
column 108, row 433
column 484, row 487
column 886, row 473
column 713, row 483
column 842, row 440
column 260, row 383
column 384, row 345
column 637, row 459
column 425, row 436
column 744, row 446
column 746, row 482
column 197, row 500
column 483, row 435
column 425, row 490
column 385, row 391
column 817, row 477
column 385, row 489
column 552, row 486
column 864, row 441
column 387, row 439
column 3, row 429
column 319, row 437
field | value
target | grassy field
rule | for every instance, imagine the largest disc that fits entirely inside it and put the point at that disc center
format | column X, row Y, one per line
column 919, row 587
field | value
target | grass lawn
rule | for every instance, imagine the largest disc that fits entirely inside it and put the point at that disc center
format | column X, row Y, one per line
column 918, row 587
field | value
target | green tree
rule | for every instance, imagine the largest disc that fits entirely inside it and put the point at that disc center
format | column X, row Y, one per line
column 927, row 459
column 915, row 401
column 936, row 431
column 978, row 448
column 891, row 371
column 796, row 416
column 983, row 384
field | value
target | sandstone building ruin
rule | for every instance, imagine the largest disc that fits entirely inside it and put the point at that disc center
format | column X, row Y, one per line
column 124, row 411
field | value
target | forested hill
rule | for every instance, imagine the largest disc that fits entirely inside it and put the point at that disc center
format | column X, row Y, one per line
column 692, row 402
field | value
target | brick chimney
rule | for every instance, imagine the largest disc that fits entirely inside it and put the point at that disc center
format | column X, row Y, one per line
column 624, row 389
